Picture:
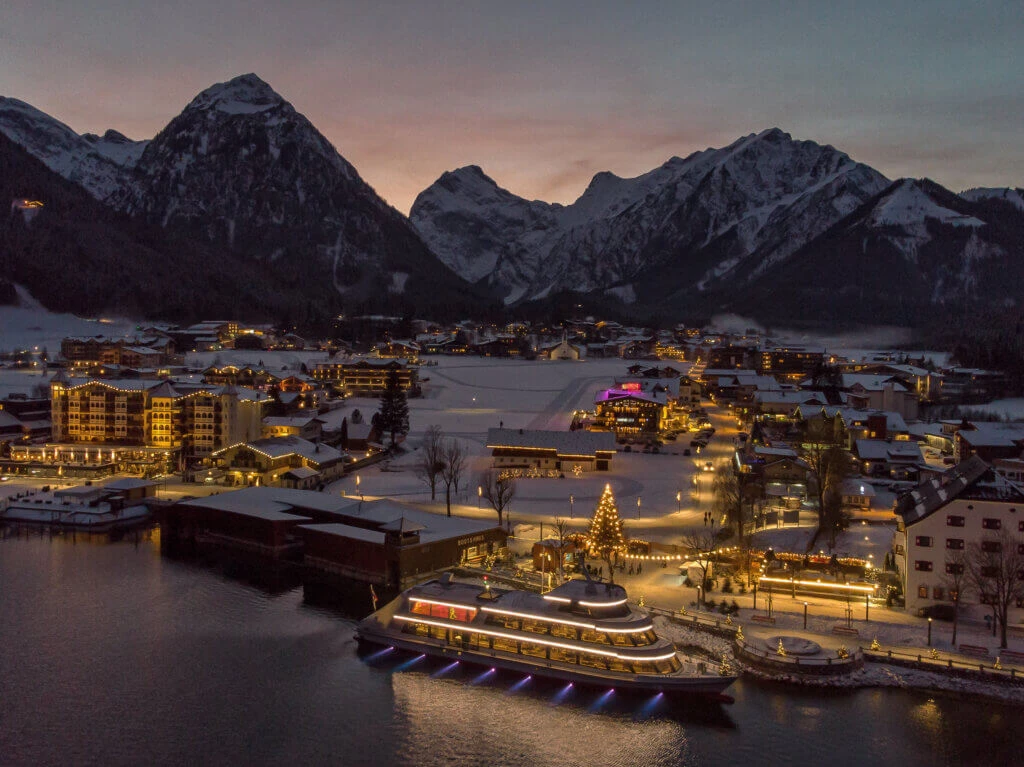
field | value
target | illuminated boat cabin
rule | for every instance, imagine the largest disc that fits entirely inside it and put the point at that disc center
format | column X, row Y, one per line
column 581, row 624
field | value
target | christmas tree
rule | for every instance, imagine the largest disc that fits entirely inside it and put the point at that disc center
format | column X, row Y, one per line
column 606, row 534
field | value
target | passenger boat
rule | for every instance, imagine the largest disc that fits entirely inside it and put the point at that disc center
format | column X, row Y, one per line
column 582, row 632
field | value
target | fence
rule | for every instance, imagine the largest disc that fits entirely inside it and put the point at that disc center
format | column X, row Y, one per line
column 926, row 662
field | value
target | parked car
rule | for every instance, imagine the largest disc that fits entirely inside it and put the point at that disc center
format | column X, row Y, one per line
column 938, row 612
column 708, row 466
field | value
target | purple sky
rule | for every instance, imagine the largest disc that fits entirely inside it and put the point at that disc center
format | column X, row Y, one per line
column 543, row 95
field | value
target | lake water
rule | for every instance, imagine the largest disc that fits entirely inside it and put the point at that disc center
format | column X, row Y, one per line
column 114, row 654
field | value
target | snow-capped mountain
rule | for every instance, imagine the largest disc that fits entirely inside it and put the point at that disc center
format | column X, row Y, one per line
column 719, row 214
column 915, row 250
column 96, row 163
column 1014, row 197
column 240, row 169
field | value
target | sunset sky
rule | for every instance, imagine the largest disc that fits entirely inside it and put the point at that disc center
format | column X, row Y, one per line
column 543, row 95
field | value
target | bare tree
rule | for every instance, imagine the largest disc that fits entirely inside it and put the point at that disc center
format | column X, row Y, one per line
column 498, row 489
column 702, row 541
column 828, row 464
column 727, row 498
column 429, row 465
column 453, row 463
column 561, row 530
column 956, row 582
column 995, row 567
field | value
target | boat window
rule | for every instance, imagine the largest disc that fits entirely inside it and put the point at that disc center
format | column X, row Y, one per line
column 420, row 608
column 508, row 645
column 595, row 637
column 479, row 641
column 566, row 656
column 594, row 661
column 665, row 666
column 535, row 626
column 439, row 633
column 420, row 629
column 620, row 665
column 647, row 637
column 622, row 640
column 536, row 650
column 561, row 630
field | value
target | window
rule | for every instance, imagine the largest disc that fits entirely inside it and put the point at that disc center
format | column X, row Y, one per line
column 1020, row 527
column 954, row 568
column 954, row 520
column 991, row 547
column 989, row 571
column 922, row 592
column 955, row 543
column 991, row 524
column 923, row 566
column 923, row 540
column 937, row 592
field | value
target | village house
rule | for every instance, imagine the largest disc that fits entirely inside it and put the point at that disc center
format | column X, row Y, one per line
column 367, row 378
column 896, row 459
column 988, row 440
column 266, row 461
column 964, row 508
column 307, row 427
column 561, row 451
column 632, row 415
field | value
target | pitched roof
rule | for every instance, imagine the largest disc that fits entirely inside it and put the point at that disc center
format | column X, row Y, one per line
column 932, row 495
column 578, row 442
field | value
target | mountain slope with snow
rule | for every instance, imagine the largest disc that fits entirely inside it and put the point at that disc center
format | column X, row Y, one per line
column 759, row 198
column 97, row 164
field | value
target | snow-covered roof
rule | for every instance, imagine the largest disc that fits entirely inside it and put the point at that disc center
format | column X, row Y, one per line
column 993, row 434
column 347, row 531
column 884, row 450
column 578, row 442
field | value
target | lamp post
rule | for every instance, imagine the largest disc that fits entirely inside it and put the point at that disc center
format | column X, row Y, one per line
column 679, row 500
column 638, row 507
column 572, row 501
column 805, row 616
column 479, row 495
column 929, row 632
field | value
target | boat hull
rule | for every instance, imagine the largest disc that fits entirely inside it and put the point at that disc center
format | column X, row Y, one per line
column 371, row 633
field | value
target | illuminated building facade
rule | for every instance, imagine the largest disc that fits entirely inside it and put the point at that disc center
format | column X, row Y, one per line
column 366, row 378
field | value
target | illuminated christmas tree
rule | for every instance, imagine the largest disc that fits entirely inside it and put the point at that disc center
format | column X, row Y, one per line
column 606, row 535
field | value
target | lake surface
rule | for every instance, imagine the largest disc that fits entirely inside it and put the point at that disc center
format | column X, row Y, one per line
column 114, row 654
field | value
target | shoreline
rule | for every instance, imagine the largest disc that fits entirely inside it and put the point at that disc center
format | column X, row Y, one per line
column 872, row 674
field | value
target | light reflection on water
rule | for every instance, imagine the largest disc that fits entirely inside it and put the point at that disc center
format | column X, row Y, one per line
column 112, row 654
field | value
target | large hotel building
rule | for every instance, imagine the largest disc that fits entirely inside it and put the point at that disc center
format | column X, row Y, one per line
column 104, row 426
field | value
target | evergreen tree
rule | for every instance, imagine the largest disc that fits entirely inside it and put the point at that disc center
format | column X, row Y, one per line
column 606, row 533
column 394, row 408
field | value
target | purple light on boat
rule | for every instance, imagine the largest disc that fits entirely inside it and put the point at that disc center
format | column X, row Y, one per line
column 445, row 670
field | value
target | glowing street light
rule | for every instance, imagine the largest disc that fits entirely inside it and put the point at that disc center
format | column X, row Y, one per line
column 679, row 500
column 479, row 495
column 572, row 501
column 638, row 507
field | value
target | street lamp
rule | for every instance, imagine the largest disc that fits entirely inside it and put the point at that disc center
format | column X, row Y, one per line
column 679, row 500
column 805, row 616
column 638, row 507
column 479, row 495
column 929, row 632
column 571, row 502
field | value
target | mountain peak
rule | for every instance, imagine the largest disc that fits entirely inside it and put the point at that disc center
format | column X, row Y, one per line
column 244, row 94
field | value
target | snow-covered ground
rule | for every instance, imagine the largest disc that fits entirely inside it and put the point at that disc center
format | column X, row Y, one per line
column 30, row 325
